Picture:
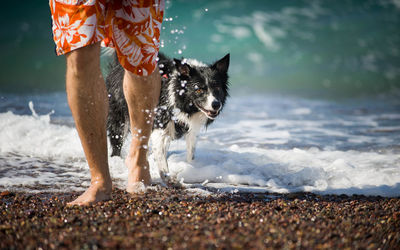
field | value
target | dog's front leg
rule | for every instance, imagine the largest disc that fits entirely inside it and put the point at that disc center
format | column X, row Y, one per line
column 191, row 138
column 160, row 143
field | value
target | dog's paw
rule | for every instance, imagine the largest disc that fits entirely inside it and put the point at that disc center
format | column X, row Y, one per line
column 170, row 181
column 175, row 184
column 190, row 159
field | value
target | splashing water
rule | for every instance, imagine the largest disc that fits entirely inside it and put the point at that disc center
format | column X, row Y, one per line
column 260, row 143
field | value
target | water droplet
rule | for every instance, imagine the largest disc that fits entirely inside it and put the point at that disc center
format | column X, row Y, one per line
column 176, row 111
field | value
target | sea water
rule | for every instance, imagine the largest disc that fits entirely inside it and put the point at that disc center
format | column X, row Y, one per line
column 314, row 102
column 313, row 48
column 259, row 143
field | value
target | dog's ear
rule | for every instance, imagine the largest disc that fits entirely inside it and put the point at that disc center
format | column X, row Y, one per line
column 222, row 65
column 183, row 68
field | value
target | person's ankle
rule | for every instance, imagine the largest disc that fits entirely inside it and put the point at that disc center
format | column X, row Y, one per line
column 137, row 157
column 104, row 184
column 139, row 174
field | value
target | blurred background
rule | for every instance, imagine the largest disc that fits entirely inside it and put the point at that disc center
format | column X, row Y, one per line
column 320, row 49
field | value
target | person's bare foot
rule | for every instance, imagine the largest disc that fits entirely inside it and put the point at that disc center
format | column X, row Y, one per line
column 95, row 193
column 139, row 174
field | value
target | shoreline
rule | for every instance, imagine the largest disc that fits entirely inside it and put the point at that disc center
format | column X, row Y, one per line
column 172, row 218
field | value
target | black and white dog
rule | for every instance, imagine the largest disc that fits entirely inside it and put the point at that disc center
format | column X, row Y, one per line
column 192, row 96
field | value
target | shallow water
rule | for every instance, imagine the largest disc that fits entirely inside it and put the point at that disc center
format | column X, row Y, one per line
column 259, row 143
column 333, row 50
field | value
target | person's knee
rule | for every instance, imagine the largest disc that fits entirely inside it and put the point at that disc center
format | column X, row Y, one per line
column 83, row 60
column 134, row 77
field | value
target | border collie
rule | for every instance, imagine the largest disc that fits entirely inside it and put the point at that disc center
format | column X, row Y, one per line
column 192, row 96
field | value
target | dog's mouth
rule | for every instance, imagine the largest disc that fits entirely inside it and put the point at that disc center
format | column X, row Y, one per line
column 209, row 113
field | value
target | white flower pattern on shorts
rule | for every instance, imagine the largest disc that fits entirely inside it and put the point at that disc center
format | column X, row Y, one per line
column 131, row 27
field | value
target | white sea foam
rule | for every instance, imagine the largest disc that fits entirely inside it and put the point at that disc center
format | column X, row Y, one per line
column 293, row 170
column 280, row 145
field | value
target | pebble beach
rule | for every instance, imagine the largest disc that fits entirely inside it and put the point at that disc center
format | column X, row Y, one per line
column 165, row 218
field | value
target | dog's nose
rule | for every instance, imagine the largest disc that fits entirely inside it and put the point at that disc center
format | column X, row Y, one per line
column 216, row 105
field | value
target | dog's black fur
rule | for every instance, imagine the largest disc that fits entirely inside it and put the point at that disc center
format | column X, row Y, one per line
column 192, row 96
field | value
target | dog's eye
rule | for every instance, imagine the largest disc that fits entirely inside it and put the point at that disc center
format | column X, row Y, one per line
column 199, row 91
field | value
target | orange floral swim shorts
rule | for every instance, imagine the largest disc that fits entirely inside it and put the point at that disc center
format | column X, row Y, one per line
column 132, row 27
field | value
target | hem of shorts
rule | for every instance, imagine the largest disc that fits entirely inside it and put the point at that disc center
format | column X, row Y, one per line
column 137, row 70
column 69, row 49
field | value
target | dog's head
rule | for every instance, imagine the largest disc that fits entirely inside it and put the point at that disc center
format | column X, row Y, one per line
column 203, row 87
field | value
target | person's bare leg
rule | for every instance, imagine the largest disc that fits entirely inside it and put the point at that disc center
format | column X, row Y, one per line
column 88, row 101
column 142, row 94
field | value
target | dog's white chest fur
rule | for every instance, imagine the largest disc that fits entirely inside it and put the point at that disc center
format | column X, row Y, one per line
column 194, row 122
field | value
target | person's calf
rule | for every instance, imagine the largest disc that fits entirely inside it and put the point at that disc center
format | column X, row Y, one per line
column 141, row 94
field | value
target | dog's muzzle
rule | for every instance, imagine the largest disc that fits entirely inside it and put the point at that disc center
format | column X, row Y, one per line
column 212, row 114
